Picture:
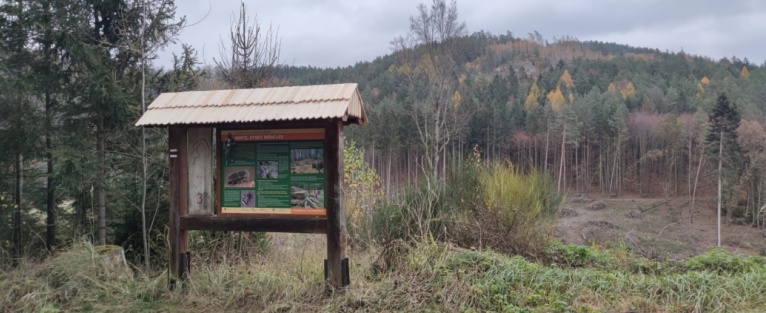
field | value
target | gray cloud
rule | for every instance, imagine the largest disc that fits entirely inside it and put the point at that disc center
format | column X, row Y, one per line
column 329, row 33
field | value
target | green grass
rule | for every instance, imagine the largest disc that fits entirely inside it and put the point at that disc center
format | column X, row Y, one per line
column 426, row 276
column 481, row 243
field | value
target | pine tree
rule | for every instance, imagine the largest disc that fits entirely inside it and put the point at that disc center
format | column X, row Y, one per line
column 722, row 146
column 109, row 49
column 18, row 109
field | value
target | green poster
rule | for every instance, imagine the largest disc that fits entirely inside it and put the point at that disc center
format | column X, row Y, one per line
column 273, row 163
column 275, row 177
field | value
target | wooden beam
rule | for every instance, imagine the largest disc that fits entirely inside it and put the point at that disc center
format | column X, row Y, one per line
column 309, row 225
column 175, row 137
column 336, row 224
column 183, row 235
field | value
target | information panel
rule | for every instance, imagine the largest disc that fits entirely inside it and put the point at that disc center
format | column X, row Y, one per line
column 275, row 171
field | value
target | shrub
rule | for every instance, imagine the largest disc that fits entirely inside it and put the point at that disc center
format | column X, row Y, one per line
column 479, row 206
column 722, row 261
column 516, row 212
column 417, row 212
column 362, row 192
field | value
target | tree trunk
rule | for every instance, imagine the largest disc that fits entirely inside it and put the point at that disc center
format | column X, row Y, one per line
column 50, row 201
column 718, row 212
column 694, row 189
column 586, row 168
column 545, row 160
column 689, row 174
column 101, row 182
column 388, row 175
column 17, row 201
column 563, row 154
column 144, row 165
column 84, row 222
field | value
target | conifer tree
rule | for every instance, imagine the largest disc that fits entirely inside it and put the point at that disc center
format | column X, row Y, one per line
column 722, row 146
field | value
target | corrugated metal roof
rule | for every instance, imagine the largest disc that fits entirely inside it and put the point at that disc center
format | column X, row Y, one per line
column 256, row 105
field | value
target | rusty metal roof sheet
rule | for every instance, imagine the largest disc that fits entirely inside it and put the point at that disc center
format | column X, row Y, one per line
column 256, row 105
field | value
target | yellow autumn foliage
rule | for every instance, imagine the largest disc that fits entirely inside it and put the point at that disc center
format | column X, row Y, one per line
column 456, row 97
column 611, row 87
column 566, row 79
column 703, row 82
column 625, row 89
column 628, row 91
column 556, row 98
column 745, row 73
column 534, row 94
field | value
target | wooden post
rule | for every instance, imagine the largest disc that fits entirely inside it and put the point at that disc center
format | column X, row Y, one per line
column 200, row 165
column 336, row 225
column 183, row 234
column 178, row 189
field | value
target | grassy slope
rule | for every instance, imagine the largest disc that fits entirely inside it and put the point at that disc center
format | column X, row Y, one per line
column 425, row 277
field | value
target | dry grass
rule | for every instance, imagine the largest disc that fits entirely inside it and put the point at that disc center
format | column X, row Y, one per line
column 425, row 276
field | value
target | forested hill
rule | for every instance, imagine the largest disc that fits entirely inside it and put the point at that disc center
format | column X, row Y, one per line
column 664, row 82
column 636, row 117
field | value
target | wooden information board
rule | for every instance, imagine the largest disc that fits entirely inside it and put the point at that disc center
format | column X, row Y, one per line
column 272, row 171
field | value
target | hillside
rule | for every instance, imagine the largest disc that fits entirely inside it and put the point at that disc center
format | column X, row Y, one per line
column 637, row 117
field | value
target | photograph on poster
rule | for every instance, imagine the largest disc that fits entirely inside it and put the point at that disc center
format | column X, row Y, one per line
column 248, row 198
column 268, row 169
column 307, row 161
column 239, row 176
column 307, row 196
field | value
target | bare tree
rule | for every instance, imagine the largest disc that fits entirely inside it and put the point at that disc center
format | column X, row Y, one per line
column 427, row 56
column 250, row 60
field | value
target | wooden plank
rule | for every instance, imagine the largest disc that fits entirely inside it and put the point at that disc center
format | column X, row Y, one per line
column 217, row 183
column 200, row 164
column 336, row 226
column 308, row 225
column 183, row 160
column 175, row 136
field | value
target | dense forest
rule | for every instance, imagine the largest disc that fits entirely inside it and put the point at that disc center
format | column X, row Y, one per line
column 599, row 118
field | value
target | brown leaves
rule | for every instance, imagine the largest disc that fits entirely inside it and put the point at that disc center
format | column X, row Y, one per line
column 744, row 73
column 566, row 79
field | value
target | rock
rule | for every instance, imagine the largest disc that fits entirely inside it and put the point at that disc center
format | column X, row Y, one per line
column 635, row 213
column 599, row 231
column 596, row 206
column 568, row 213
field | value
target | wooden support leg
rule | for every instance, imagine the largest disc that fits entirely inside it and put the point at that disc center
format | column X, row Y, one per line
column 178, row 238
column 336, row 224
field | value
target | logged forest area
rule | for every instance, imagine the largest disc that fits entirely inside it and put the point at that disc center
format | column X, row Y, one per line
column 498, row 172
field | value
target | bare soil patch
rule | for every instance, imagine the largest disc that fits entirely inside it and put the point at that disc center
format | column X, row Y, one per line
column 659, row 227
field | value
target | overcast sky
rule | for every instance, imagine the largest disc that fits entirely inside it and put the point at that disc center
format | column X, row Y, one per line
column 329, row 33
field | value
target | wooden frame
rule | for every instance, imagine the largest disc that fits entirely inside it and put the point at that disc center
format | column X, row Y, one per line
column 332, row 224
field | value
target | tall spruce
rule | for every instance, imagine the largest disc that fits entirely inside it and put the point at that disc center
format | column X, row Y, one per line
column 108, row 59
column 722, row 146
column 18, row 108
column 252, row 55
column 49, row 67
